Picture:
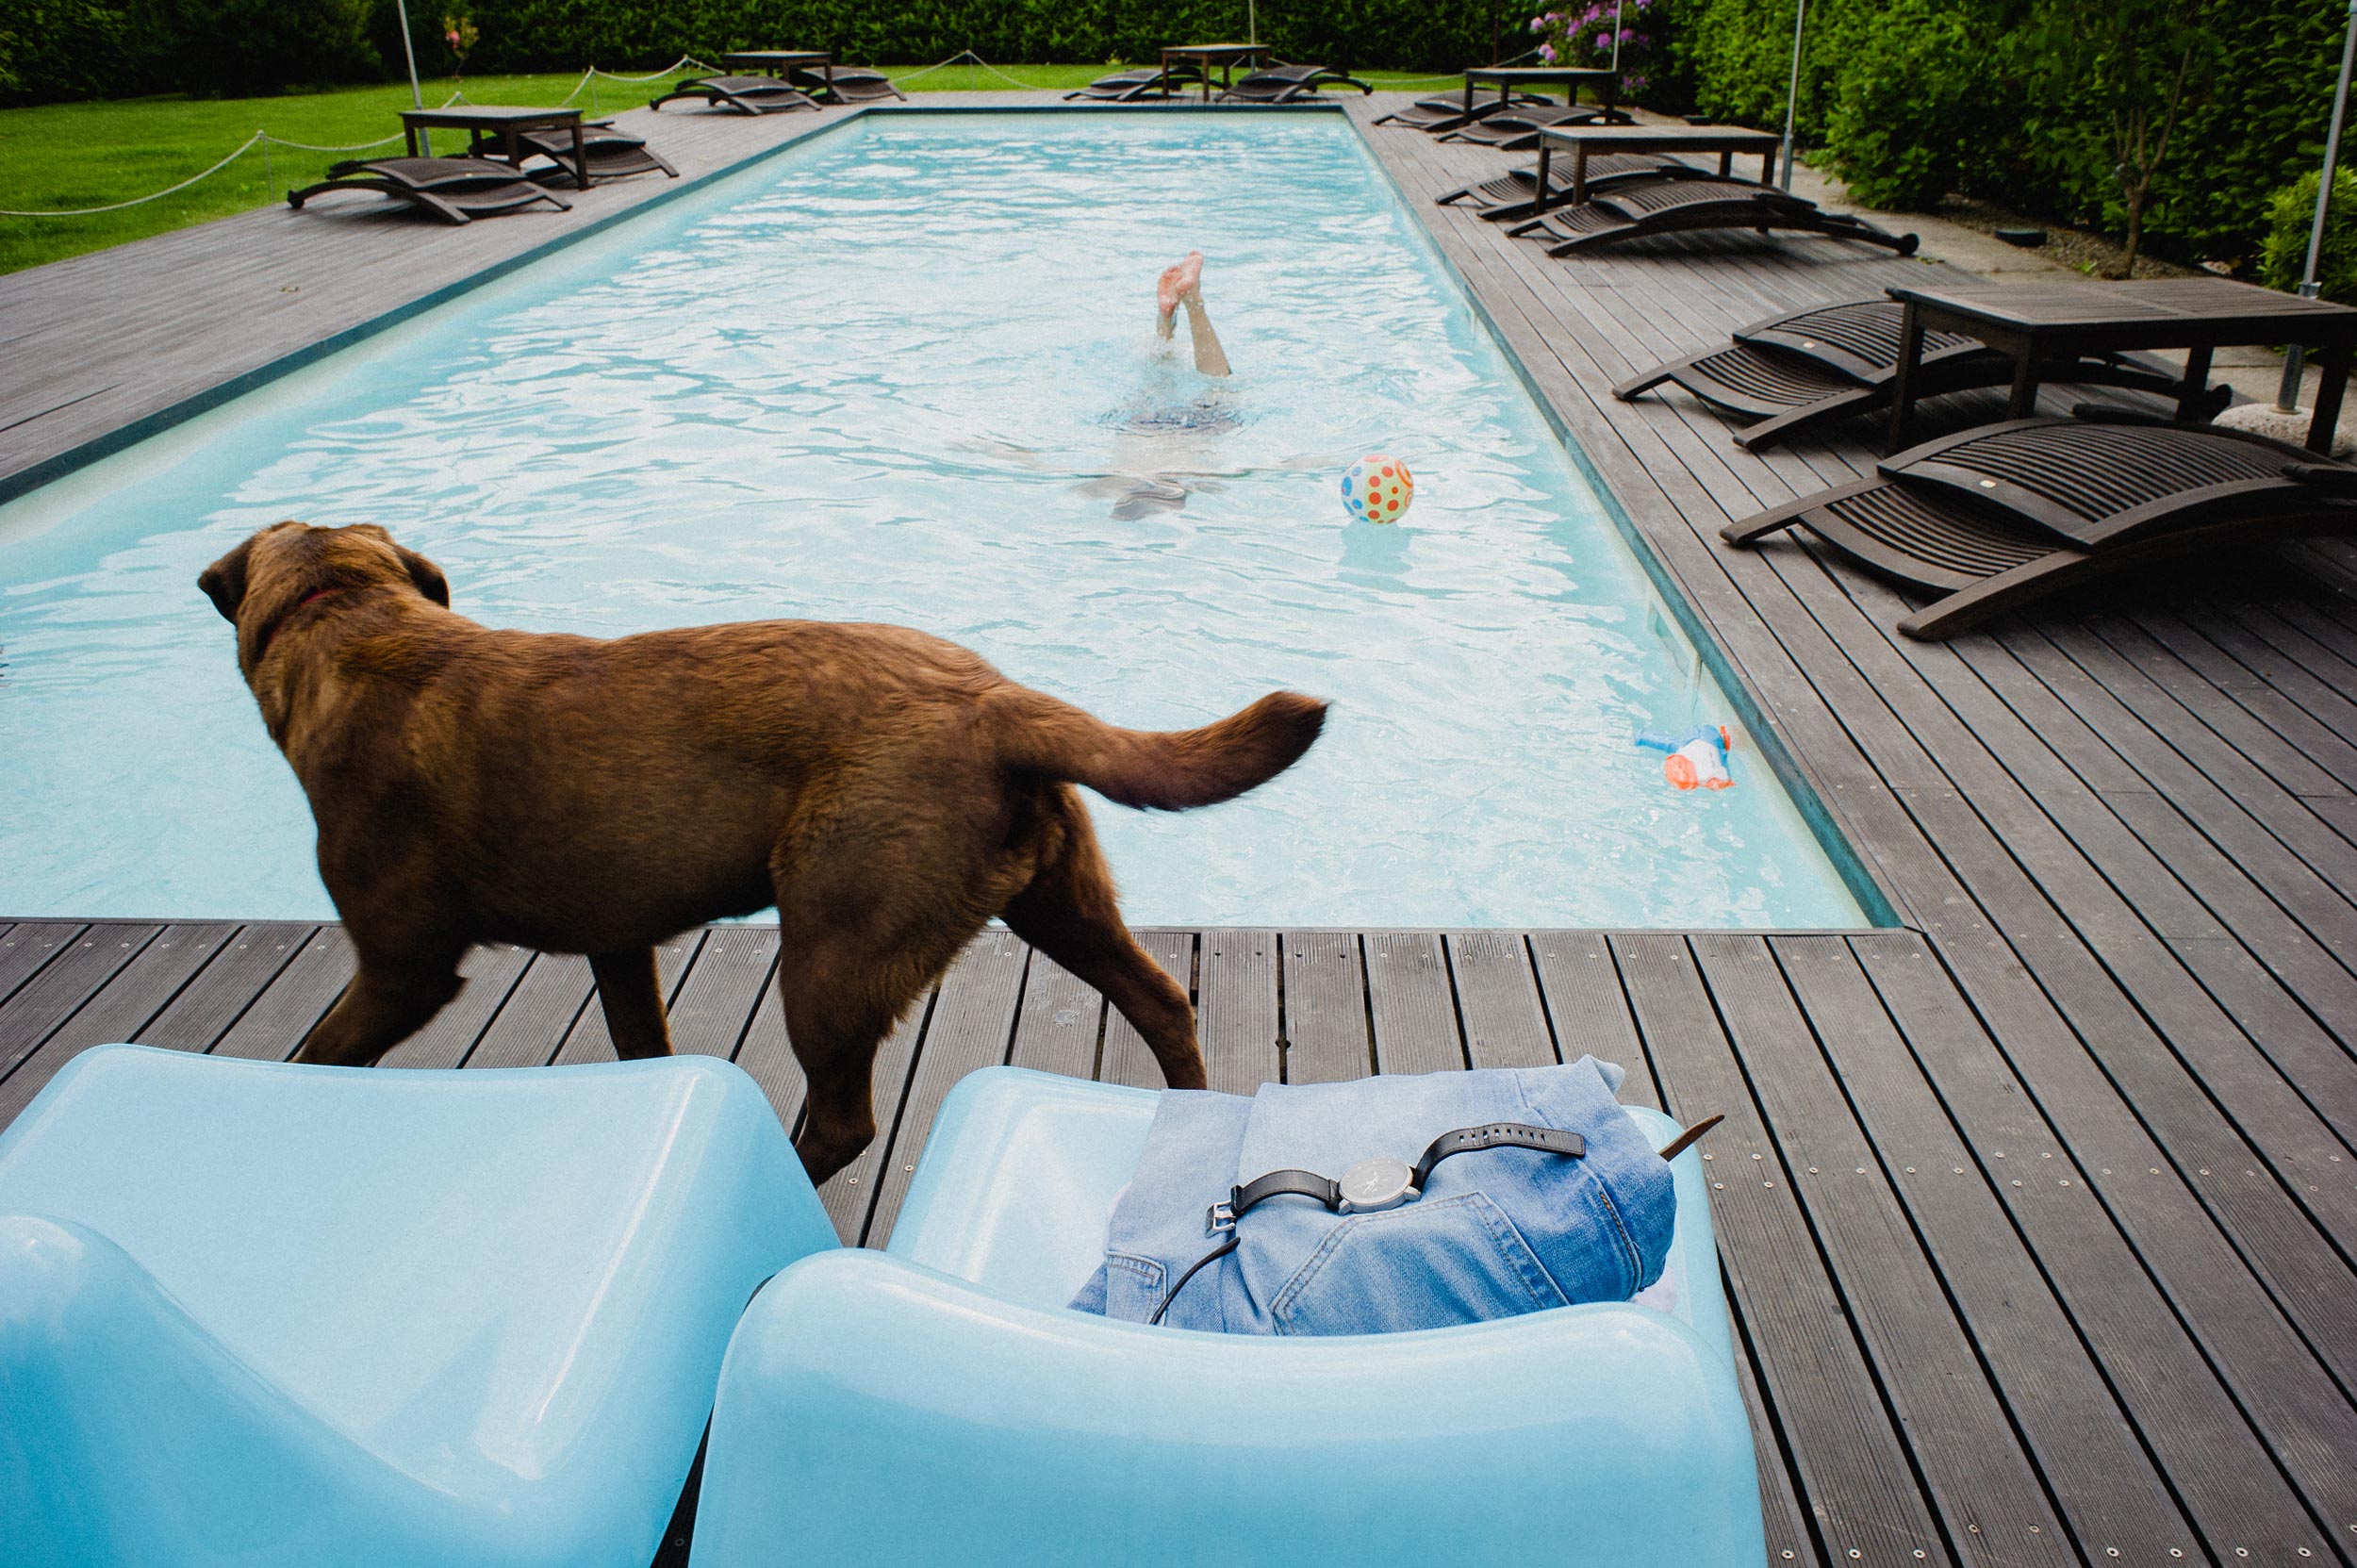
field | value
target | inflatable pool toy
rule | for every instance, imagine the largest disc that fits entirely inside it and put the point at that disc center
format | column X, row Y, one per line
column 1379, row 489
column 1697, row 759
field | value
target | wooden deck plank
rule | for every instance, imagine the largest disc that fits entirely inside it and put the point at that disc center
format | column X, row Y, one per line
column 1413, row 1011
column 588, row 1040
column 1854, row 1469
column 29, row 947
column 1327, row 1037
column 2165, row 1348
column 1587, row 1009
column 972, row 1027
column 1062, row 1023
column 299, row 996
column 123, row 1004
column 81, row 967
column 489, row 973
column 249, row 962
column 850, row 1193
column 1497, row 1001
column 1238, row 1016
column 538, row 1014
column 2087, row 1450
column 723, row 989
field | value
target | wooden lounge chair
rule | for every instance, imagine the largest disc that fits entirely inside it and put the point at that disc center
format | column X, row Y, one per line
column 848, row 85
column 1996, row 516
column 1434, row 116
column 1290, row 84
column 745, row 94
column 456, row 190
column 1801, row 371
column 1515, row 193
column 1141, row 85
column 1516, row 128
column 610, row 154
column 1639, row 210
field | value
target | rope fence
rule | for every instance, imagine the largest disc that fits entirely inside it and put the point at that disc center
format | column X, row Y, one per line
column 589, row 79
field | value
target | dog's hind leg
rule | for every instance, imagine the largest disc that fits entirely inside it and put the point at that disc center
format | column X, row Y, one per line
column 631, row 995
column 387, row 1001
column 1071, row 913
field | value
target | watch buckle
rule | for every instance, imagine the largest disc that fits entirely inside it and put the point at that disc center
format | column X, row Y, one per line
column 1220, row 1218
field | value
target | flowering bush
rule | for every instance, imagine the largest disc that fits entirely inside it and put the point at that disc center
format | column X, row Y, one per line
column 461, row 35
column 1583, row 38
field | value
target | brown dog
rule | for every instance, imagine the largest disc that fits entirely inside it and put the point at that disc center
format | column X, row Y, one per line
column 888, row 791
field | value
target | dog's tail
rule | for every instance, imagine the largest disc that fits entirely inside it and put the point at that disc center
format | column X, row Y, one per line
column 1157, row 770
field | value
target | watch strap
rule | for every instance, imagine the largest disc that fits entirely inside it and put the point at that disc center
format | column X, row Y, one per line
column 1286, row 1183
column 1465, row 1140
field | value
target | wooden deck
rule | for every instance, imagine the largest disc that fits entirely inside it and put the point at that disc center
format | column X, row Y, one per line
column 2038, row 1217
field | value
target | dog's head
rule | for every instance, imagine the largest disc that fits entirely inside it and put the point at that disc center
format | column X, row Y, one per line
column 264, row 581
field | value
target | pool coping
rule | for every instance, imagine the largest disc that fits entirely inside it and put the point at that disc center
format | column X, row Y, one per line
column 1862, row 879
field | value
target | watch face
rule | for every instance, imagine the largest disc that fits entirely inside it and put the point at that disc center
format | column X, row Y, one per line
column 1376, row 1183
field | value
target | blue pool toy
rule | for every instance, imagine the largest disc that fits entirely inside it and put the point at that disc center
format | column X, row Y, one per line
column 938, row 1403
column 271, row 1314
column 1697, row 759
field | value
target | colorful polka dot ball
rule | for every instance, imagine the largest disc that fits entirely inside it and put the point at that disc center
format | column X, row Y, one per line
column 1379, row 489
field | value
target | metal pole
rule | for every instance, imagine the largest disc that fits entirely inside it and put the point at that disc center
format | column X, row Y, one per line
column 1616, row 41
column 417, row 98
column 1793, row 93
column 1252, row 21
column 2295, row 357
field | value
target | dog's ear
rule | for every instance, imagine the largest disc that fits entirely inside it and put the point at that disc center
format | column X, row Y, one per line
column 426, row 575
column 223, row 581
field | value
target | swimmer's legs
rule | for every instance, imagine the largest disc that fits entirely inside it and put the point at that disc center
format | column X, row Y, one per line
column 1209, row 358
column 1170, row 289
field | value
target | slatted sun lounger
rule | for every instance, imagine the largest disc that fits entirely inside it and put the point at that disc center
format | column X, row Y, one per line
column 1290, row 84
column 456, row 190
column 1434, row 116
column 611, row 153
column 847, row 84
column 1515, row 193
column 1997, row 517
column 1139, row 86
column 745, row 94
column 1805, row 370
column 1642, row 208
column 1516, row 129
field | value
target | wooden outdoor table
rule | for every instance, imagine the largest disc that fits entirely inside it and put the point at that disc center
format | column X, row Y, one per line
column 1226, row 56
column 1726, row 140
column 2044, row 321
column 501, row 122
column 1571, row 78
column 780, row 62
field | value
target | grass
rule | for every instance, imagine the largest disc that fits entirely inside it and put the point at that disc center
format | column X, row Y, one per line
column 66, row 155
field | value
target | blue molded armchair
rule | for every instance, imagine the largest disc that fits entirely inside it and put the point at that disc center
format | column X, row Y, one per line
column 939, row 1404
column 273, row 1314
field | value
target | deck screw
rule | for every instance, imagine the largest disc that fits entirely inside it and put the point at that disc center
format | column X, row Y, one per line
column 1958, row 1169
column 2205, row 1170
column 2016, row 1183
column 1708, row 1157
column 2047, row 1156
column 2151, row 1170
column 913, row 1168
column 1812, row 1170
column 1787, row 1552
column 2177, row 1551
column 1861, row 1170
column 2034, row 1529
column 1854, row 1552
column 1920, row 1552
column 2065, row 1183
column 2111, row 1551
column 2001, row 1154
column 1755, row 1156
column 1767, row 1183
column 1718, row 1186
column 1910, row 1170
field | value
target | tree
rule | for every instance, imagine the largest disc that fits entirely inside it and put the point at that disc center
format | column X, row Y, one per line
column 2135, row 65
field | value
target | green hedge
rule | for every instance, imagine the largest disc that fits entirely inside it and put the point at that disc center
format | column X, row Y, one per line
column 56, row 49
column 1911, row 99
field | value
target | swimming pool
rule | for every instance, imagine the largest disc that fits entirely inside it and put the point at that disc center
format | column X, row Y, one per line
column 904, row 371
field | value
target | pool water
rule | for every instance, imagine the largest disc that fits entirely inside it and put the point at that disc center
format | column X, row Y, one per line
column 905, row 371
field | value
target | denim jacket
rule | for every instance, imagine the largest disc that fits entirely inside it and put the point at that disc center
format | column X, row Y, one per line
column 1499, row 1231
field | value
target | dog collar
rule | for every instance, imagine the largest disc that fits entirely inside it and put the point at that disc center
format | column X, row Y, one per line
column 271, row 630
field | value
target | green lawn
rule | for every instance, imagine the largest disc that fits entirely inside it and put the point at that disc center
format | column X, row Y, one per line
column 63, row 155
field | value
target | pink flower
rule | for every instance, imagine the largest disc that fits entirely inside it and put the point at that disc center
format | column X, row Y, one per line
column 1546, row 53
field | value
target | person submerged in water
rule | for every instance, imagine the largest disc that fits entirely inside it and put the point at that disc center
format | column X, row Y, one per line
column 1182, row 285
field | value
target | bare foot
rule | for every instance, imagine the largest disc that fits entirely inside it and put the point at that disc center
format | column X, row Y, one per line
column 1175, row 284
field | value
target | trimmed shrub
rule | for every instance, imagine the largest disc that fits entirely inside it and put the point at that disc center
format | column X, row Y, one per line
column 53, row 49
column 238, row 48
column 2291, row 217
column 1909, row 100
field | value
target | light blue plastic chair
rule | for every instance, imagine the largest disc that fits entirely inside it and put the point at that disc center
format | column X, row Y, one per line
column 266, row 1314
column 938, row 1404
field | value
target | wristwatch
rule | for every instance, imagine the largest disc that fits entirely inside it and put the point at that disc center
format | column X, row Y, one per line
column 1371, row 1187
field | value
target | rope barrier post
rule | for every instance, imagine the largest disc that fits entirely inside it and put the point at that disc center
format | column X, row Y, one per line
column 270, row 175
